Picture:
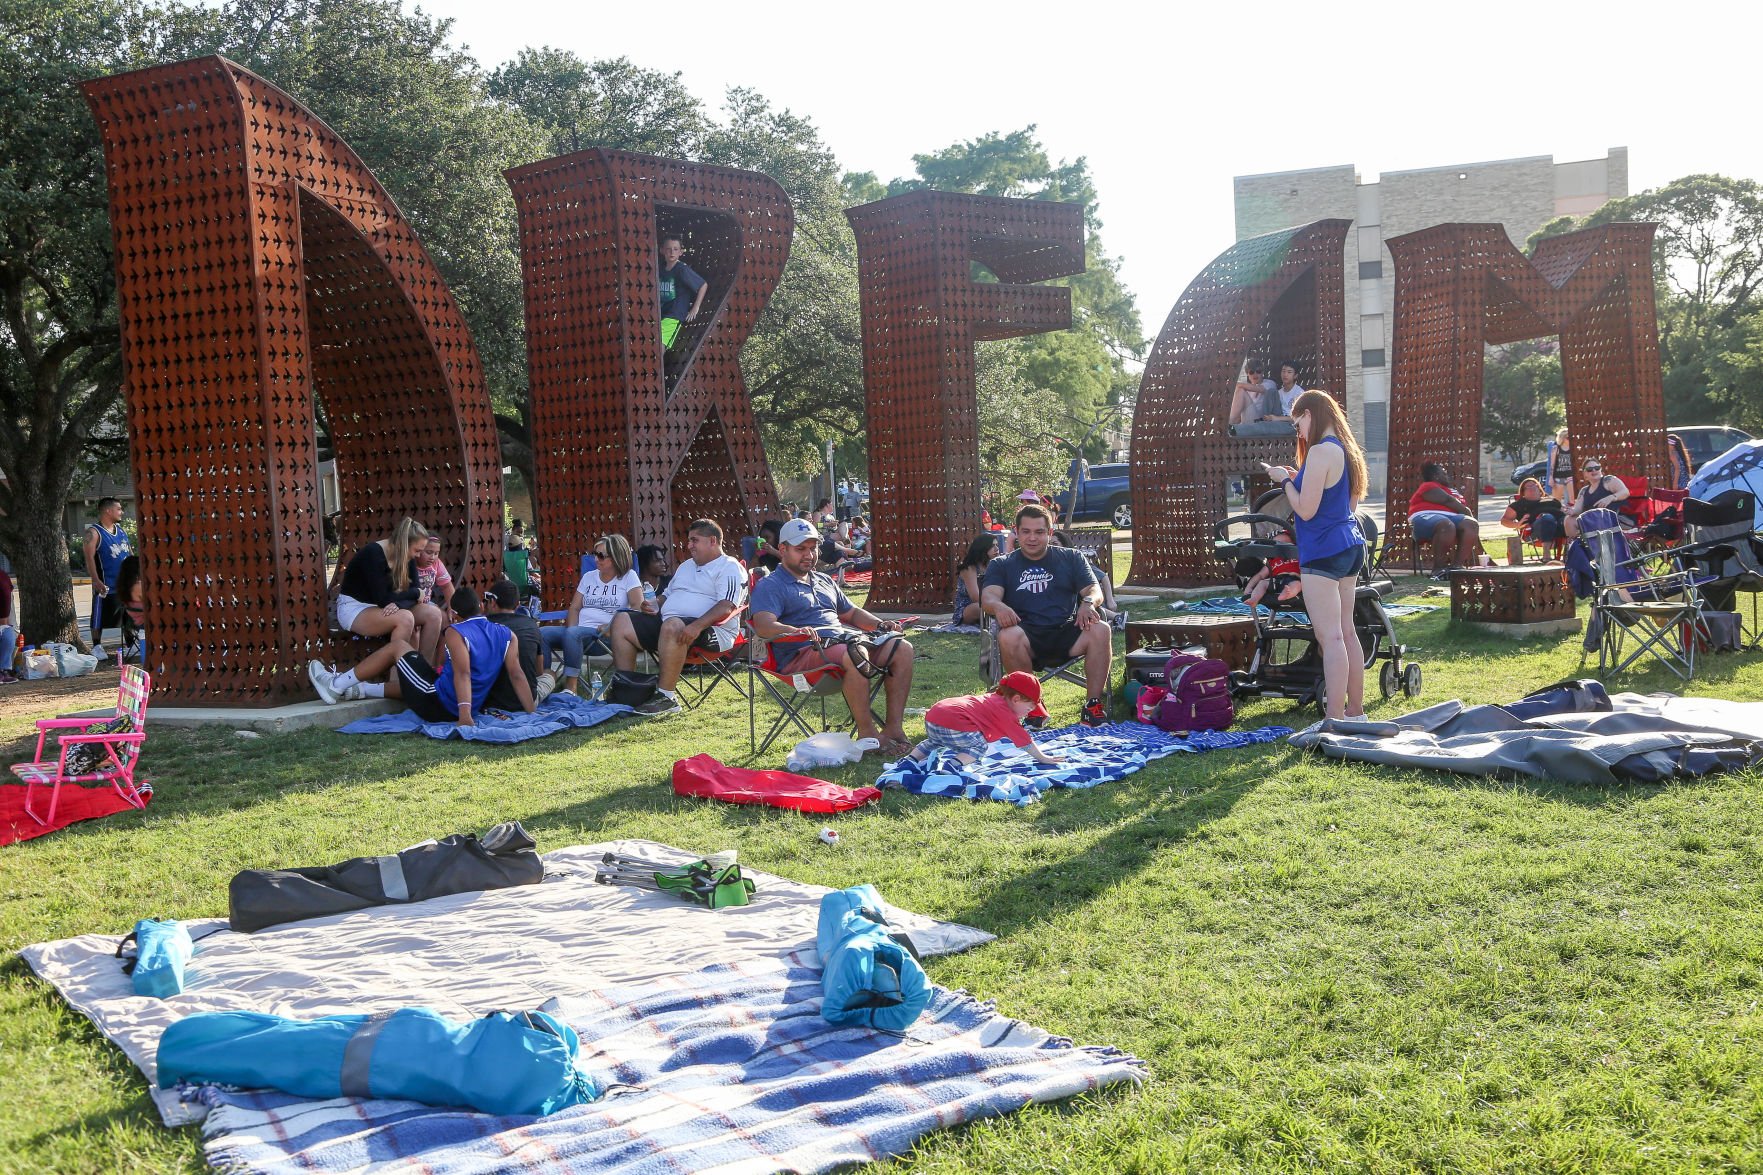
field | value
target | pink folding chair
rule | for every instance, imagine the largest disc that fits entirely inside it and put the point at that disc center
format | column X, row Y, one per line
column 121, row 748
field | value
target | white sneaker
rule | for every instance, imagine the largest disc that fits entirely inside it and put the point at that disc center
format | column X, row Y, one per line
column 98, row 652
column 547, row 683
column 323, row 682
column 351, row 693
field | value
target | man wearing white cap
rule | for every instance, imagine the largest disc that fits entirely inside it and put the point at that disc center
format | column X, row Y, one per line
column 796, row 605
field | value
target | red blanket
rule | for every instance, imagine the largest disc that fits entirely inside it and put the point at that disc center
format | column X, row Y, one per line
column 77, row 803
column 708, row 779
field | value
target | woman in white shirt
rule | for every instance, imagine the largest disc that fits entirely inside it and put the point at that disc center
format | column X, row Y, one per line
column 603, row 592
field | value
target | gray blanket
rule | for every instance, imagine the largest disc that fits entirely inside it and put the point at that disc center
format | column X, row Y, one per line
column 1640, row 738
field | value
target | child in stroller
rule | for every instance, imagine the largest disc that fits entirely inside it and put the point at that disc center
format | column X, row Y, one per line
column 1287, row 661
column 1279, row 576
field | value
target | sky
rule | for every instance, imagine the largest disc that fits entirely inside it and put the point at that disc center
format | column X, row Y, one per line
column 1167, row 104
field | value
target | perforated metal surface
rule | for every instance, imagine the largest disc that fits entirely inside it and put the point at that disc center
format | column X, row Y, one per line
column 1459, row 286
column 258, row 262
column 1511, row 595
column 616, row 451
column 1277, row 298
column 922, row 313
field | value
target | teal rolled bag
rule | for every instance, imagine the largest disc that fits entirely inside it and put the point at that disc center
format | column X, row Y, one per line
column 502, row 1063
column 869, row 973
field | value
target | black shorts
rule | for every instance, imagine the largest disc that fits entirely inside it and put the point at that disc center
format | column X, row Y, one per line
column 647, row 627
column 416, row 686
column 1051, row 645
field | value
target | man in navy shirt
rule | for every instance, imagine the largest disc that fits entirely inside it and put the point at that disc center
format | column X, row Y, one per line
column 682, row 290
column 1047, row 604
column 795, row 604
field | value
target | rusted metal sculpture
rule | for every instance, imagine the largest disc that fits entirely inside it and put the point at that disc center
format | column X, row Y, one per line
column 1276, row 297
column 1460, row 286
column 629, row 439
column 259, row 263
column 922, row 313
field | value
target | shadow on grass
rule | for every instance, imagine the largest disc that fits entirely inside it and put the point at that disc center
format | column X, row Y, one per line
column 1145, row 822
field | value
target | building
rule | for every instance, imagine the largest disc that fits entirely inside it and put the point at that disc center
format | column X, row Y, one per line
column 1522, row 195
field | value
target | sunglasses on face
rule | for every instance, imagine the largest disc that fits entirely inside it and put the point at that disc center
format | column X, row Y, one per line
column 601, row 555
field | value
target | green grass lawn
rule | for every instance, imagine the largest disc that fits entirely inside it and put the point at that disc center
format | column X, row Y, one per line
column 1326, row 966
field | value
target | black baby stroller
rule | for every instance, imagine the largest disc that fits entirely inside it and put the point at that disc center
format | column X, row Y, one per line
column 1287, row 661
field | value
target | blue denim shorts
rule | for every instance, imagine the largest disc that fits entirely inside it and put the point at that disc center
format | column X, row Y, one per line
column 1341, row 565
column 1424, row 522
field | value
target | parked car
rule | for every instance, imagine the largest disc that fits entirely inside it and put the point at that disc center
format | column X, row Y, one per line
column 1703, row 442
column 1103, row 494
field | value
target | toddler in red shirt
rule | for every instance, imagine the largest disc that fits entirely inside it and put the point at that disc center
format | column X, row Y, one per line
column 967, row 725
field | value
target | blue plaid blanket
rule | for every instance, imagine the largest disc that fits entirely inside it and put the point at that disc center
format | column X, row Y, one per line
column 558, row 712
column 729, row 1069
column 1092, row 755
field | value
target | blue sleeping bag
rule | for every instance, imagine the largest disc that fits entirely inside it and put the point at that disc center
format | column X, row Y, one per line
column 869, row 975
column 503, row 1063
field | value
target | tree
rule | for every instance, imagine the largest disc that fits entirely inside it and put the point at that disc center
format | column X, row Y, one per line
column 1708, row 265
column 1523, row 397
column 60, row 348
column 1020, row 442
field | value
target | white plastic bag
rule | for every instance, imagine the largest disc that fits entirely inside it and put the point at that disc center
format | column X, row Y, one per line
column 69, row 661
column 830, row 749
column 37, row 666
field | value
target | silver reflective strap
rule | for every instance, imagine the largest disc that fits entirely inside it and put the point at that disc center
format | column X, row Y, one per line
column 358, row 1056
column 392, row 879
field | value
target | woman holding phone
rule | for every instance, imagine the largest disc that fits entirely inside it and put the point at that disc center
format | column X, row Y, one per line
column 1324, row 492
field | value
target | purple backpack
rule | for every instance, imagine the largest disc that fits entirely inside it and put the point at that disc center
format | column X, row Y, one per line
column 1199, row 695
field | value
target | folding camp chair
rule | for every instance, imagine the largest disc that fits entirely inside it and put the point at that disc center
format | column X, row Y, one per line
column 794, row 694
column 1724, row 547
column 1660, row 615
column 122, row 748
column 705, row 670
column 992, row 665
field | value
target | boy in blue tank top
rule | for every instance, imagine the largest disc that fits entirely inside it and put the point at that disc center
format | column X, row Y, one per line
column 477, row 655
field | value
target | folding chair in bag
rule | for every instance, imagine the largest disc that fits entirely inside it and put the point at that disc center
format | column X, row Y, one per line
column 100, row 750
column 794, row 693
column 1659, row 615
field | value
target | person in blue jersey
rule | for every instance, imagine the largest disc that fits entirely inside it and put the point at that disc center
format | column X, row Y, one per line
column 1324, row 493
column 477, row 656
column 107, row 545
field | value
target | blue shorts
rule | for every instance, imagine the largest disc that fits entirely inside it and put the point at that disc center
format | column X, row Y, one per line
column 1340, row 565
column 1424, row 523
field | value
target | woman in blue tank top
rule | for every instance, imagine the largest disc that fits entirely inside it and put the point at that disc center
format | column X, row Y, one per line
column 1324, row 493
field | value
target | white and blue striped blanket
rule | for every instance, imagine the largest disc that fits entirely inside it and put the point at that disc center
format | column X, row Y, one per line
column 728, row 1069
column 1092, row 755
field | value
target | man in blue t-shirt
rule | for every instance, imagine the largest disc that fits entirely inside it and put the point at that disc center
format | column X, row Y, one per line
column 796, row 604
column 682, row 290
column 1048, row 607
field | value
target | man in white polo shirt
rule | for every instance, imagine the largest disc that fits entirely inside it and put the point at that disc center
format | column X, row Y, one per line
column 700, row 608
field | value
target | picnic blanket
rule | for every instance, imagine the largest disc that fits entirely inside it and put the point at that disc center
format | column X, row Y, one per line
column 1628, row 738
column 560, row 711
column 462, row 955
column 78, row 802
column 730, row 1068
column 1092, row 755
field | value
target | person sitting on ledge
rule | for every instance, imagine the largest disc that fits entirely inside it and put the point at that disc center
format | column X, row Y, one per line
column 477, row 657
column 1439, row 515
column 1249, row 401
column 1531, row 510
column 1601, row 492
column 967, row 576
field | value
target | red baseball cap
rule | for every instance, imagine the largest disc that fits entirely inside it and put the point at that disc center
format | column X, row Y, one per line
column 1028, row 686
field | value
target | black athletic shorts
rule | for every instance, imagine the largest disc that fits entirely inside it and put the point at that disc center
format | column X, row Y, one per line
column 416, row 686
column 1052, row 645
column 647, row 626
